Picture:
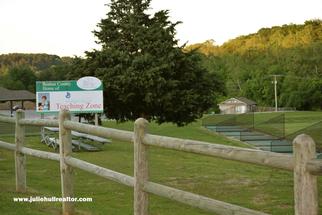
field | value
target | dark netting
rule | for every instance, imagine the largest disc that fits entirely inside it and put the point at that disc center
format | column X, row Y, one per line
column 315, row 131
column 274, row 127
column 264, row 133
column 245, row 120
column 256, row 136
column 237, row 123
column 213, row 120
column 228, row 125
column 282, row 146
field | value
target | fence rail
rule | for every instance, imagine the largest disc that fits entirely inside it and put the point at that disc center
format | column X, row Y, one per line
column 303, row 164
column 7, row 119
column 39, row 122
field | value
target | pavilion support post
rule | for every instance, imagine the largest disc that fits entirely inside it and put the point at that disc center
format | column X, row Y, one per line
column 96, row 119
column 42, row 129
column 11, row 109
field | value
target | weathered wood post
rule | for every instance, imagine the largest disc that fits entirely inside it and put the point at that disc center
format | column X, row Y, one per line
column 305, row 184
column 141, row 173
column 42, row 130
column 20, row 158
column 66, row 171
column 96, row 119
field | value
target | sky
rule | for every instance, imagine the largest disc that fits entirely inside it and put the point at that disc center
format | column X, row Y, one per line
column 64, row 27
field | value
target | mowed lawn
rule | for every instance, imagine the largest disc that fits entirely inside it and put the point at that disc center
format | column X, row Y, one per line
column 265, row 189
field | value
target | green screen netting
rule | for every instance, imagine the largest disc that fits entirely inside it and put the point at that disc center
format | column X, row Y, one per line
column 274, row 126
column 315, row 131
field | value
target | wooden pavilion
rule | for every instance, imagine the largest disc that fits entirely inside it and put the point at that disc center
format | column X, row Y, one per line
column 16, row 95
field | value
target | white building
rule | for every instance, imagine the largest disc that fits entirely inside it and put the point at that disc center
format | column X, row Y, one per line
column 237, row 105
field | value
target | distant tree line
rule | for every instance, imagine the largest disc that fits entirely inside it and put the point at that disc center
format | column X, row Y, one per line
column 146, row 73
column 20, row 71
column 247, row 63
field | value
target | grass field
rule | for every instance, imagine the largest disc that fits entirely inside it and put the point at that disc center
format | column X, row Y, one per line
column 251, row 186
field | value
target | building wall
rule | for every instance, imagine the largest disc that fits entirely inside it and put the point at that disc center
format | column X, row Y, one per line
column 234, row 108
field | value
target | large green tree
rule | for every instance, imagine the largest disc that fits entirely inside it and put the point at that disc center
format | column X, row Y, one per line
column 144, row 70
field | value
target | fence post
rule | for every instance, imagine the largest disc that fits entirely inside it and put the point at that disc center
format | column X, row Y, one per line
column 66, row 171
column 96, row 119
column 305, row 184
column 20, row 158
column 141, row 173
column 42, row 129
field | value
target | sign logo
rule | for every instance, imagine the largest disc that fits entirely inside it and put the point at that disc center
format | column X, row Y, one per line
column 89, row 83
column 67, row 95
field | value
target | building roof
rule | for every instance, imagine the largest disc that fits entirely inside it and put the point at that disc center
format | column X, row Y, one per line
column 16, row 95
column 246, row 101
column 241, row 100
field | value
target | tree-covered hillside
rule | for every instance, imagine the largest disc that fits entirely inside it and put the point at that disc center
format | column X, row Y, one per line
column 20, row 71
column 35, row 61
column 247, row 64
column 275, row 38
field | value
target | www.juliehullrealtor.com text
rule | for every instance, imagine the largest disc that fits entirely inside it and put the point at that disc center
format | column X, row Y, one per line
column 51, row 199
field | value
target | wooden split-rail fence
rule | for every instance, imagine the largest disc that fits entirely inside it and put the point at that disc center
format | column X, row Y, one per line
column 302, row 163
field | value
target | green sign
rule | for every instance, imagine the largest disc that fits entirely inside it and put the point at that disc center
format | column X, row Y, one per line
column 53, row 86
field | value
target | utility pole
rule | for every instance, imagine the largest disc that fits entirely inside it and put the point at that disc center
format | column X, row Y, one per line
column 275, row 90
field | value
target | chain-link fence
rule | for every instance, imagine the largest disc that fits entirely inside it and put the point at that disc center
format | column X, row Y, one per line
column 315, row 131
column 245, row 120
column 271, row 129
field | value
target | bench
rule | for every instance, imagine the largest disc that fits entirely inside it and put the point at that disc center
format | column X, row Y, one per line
column 54, row 142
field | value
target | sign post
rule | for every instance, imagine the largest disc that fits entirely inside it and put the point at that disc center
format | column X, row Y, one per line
column 96, row 119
